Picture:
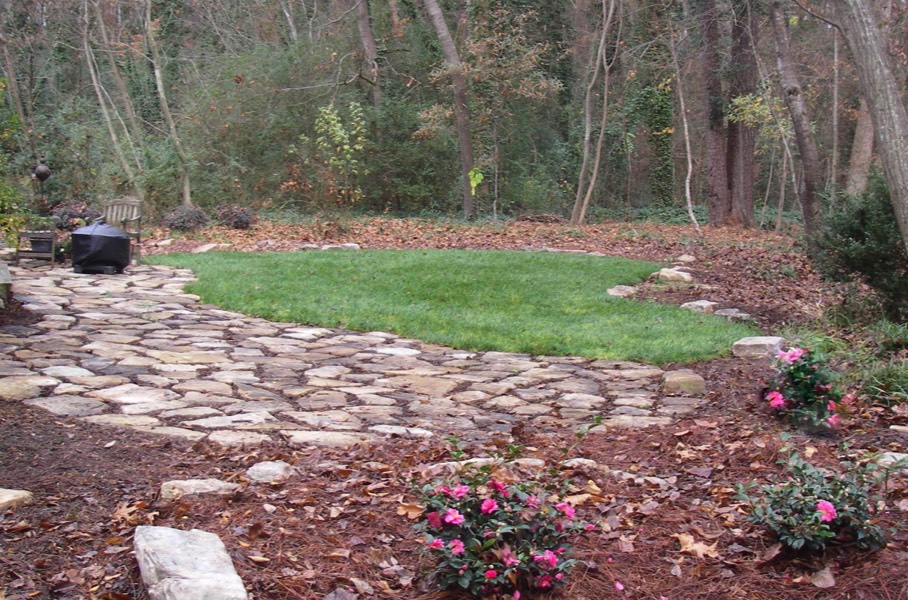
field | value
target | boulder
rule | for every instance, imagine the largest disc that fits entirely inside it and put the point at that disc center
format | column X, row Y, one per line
column 760, row 347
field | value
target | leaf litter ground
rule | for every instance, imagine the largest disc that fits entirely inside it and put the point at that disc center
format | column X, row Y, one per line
column 668, row 522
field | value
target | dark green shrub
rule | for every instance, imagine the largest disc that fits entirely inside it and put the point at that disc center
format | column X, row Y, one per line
column 235, row 216
column 862, row 240
column 186, row 218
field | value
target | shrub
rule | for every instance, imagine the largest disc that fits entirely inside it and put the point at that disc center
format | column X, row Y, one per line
column 863, row 239
column 803, row 390
column 235, row 216
column 496, row 538
column 813, row 507
column 186, row 218
column 73, row 214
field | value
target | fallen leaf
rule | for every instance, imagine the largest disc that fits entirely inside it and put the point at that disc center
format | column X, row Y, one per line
column 771, row 552
column 338, row 553
column 903, row 505
column 698, row 549
column 823, row 579
column 625, row 545
column 707, row 424
column 809, row 451
column 411, row 511
column 681, row 433
column 258, row 559
column 704, row 472
column 577, row 499
column 361, row 586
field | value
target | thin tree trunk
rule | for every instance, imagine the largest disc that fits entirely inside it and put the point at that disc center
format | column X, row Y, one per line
column 861, row 152
column 461, row 108
column 797, row 109
column 582, row 204
column 102, row 103
column 687, row 150
column 783, row 185
column 165, row 107
column 287, row 9
column 13, row 85
column 397, row 29
column 834, row 159
column 742, row 136
column 717, row 193
column 370, row 50
column 880, row 88
column 123, row 93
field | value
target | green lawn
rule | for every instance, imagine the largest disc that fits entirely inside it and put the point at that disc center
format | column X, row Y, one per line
column 538, row 303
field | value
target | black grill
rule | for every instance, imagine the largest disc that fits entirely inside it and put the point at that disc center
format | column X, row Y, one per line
column 100, row 248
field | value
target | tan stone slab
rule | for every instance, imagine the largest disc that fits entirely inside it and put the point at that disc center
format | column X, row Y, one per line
column 335, row 439
column 207, row 399
column 131, row 393
column 173, row 490
column 431, row 386
column 69, row 406
column 188, row 358
column 238, row 438
column 145, row 408
column 683, row 382
column 175, row 432
column 633, row 422
column 232, row 421
column 135, row 421
column 24, row 387
column 14, row 498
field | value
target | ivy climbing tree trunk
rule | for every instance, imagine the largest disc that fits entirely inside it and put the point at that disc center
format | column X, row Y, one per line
column 165, row 106
column 461, row 108
column 793, row 97
column 885, row 104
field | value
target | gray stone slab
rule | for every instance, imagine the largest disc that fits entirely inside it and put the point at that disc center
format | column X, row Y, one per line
column 239, row 438
column 70, row 406
column 270, row 471
column 337, row 439
column 186, row 565
column 171, row 490
column 760, row 347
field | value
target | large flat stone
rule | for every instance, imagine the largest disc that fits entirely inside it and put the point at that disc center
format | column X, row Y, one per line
column 186, row 565
column 434, row 387
column 238, row 438
column 69, row 406
column 336, row 439
column 139, row 421
column 25, row 387
column 761, row 347
column 171, row 490
column 131, row 393
column 683, row 382
column 14, row 498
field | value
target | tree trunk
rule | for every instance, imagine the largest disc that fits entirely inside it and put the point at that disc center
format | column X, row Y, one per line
column 742, row 136
column 13, row 84
column 797, row 109
column 880, row 88
column 370, row 50
column 717, row 192
column 861, row 152
column 461, row 109
column 102, row 103
column 397, row 28
column 688, row 153
column 165, row 106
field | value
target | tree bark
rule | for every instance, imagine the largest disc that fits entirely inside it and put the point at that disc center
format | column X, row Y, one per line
column 861, row 152
column 741, row 135
column 718, row 194
column 461, row 108
column 797, row 109
column 397, row 28
column 165, row 107
column 370, row 50
column 880, row 88
column 13, row 85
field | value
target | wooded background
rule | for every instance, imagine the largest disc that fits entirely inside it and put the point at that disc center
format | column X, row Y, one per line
column 738, row 109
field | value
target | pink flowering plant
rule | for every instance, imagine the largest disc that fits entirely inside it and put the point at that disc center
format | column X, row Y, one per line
column 812, row 507
column 497, row 538
column 803, row 390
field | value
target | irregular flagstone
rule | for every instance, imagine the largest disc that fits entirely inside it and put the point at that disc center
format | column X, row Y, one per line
column 144, row 408
column 238, row 438
column 131, row 393
column 761, row 347
column 24, row 387
column 332, row 419
column 430, row 386
column 66, row 372
column 70, row 406
column 301, row 439
column 269, row 471
column 175, row 432
column 204, row 386
column 188, row 358
column 399, row 431
column 186, row 565
column 137, row 421
column 683, row 382
column 13, row 498
column 237, row 420
column 631, row 422
column 172, row 490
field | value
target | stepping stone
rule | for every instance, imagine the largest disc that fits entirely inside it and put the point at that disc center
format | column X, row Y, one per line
column 401, row 431
column 686, row 259
column 238, row 438
column 172, row 490
column 759, row 347
column 704, row 306
column 69, row 406
column 622, row 291
column 674, row 276
column 186, row 565
column 683, row 382
column 65, row 372
column 733, row 314
column 13, row 498
column 270, row 471
column 24, row 387
column 335, row 439
column 632, row 422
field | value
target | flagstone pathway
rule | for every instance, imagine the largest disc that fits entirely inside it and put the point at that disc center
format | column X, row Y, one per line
column 136, row 350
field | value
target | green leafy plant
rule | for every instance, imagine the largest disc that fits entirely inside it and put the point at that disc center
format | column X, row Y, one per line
column 497, row 536
column 803, row 390
column 813, row 507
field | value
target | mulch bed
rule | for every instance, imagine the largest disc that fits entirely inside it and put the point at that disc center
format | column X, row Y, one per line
column 340, row 526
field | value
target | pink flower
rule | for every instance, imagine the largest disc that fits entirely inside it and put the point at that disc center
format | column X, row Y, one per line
column 434, row 519
column 460, row 491
column 589, row 527
column 453, row 516
column 834, row 421
column 544, row 582
column 436, row 544
column 456, row 546
column 792, row 355
column 509, row 560
column 826, row 510
column 488, row 506
column 559, row 576
column 776, row 400
column 516, row 596
column 442, row 489
column 548, row 557
column 832, row 406
column 566, row 508
column 499, row 487
column 619, row 586
column 533, row 501
column 491, row 574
